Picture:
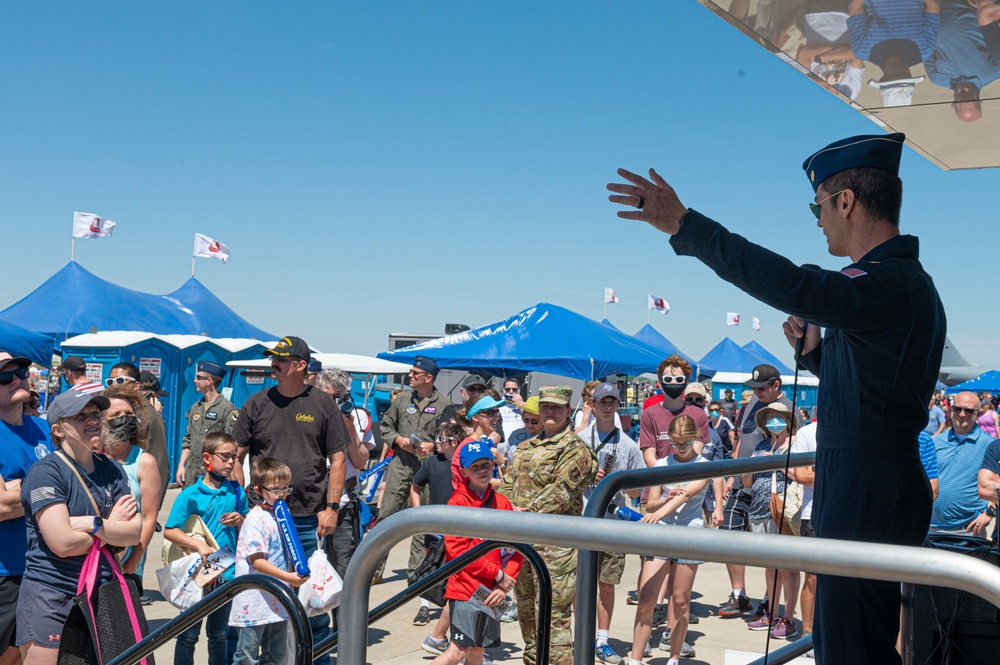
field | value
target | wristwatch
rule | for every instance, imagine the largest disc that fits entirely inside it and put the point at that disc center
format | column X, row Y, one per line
column 333, row 506
column 98, row 523
column 991, row 512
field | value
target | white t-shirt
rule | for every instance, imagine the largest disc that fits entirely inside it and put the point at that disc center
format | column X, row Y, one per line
column 627, row 456
column 510, row 416
column 259, row 534
column 578, row 418
column 363, row 426
column 805, row 442
column 690, row 511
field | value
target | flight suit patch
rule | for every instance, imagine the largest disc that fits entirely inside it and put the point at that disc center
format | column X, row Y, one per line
column 853, row 272
column 196, row 417
column 211, row 415
column 411, row 409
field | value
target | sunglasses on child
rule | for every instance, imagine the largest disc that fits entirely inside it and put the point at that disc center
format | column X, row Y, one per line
column 674, row 379
column 7, row 378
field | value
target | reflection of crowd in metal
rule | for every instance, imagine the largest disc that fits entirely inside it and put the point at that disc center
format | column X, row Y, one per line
column 956, row 41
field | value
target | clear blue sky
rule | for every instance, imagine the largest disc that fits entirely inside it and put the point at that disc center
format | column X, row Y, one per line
column 388, row 166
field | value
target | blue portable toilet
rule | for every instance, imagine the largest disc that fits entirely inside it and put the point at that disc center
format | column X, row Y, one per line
column 242, row 382
column 102, row 350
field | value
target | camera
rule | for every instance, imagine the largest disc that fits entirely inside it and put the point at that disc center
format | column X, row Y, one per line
column 346, row 404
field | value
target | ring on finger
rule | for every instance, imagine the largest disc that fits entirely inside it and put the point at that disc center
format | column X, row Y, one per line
column 641, row 202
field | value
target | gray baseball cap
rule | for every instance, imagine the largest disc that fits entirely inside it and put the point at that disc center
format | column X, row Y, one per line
column 72, row 402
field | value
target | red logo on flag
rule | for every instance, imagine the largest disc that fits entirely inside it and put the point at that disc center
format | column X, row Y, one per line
column 214, row 246
column 95, row 226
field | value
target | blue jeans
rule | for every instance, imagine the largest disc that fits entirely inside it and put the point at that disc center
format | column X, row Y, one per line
column 262, row 645
column 221, row 639
column 305, row 527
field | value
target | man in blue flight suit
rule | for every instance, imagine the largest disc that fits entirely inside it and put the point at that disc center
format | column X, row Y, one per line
column 878, row 363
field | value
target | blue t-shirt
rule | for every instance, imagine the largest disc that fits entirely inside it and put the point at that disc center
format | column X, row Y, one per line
column 934, row 419
column 20, row 447
column 51, row 481
column 211, row 504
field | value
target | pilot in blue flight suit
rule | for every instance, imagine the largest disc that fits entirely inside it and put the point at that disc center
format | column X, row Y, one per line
column 877, row 363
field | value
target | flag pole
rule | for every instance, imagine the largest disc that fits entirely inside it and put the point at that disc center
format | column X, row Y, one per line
column 605, row 310
column 192, row 266
column 72, row 249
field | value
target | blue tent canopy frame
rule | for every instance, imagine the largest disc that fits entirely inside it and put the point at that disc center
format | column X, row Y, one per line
column 542, row 338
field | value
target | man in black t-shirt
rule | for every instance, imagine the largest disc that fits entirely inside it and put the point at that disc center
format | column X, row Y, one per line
column 301, row 426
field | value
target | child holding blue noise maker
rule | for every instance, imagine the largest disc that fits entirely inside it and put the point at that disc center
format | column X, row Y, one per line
column 261, row 549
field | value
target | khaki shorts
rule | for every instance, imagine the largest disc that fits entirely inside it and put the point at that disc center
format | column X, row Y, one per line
column 612, row 566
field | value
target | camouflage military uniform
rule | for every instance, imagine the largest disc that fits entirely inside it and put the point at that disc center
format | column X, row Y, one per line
column 219, row 416
column 549, row 475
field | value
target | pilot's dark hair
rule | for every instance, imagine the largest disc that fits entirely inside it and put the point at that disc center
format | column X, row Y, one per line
column 879, row 192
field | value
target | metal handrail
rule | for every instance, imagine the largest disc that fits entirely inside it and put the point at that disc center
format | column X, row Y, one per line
column 531, row 555
column 213, row 601
column 585, row 622
column 786, row 654
column 893, row 563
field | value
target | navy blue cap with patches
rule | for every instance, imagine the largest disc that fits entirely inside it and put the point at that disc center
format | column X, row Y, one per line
column 425, row 364
column 875, row 151
column 209, row 367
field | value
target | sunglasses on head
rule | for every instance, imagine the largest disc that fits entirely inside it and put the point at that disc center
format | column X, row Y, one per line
column 674, row 379
column 118, row 380
column 7, row 378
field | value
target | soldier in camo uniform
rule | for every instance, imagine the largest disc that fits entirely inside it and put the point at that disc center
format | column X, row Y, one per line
column 548, row 475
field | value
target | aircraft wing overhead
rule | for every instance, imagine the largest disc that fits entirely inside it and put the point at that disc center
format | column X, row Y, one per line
column 934, row 79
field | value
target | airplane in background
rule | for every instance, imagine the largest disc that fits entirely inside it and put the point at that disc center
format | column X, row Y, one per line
column 954, row 367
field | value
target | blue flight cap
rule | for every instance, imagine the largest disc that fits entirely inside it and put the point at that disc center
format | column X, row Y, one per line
column 211, row 368
column 425, row 364
column 314, row 366
column 473, row 452
column 875, row 151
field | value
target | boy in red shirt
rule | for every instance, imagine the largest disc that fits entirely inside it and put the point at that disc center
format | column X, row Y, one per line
column 472, row 630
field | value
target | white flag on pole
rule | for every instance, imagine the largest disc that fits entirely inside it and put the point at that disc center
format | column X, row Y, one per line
column 732, row 319
column 756, row 323
column 609, row 295
column 209, row 248
column 88, row 225
column 659, row 304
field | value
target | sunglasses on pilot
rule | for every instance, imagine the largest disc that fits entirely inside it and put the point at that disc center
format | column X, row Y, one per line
column 7, row 378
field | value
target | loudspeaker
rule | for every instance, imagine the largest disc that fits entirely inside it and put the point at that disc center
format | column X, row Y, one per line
column 952, row 627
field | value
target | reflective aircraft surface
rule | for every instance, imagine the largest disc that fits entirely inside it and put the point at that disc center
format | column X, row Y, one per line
column 927, row 68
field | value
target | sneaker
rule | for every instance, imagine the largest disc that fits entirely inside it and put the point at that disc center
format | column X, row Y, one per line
column 761, row 610
column 145, row 600
column 687, row 651
column 693, row 619
column 665, row 640
column 423, row 617
column 436, row 647
column 632, row 598
column 510, row 614
column 763, row 622
column 606, row 654
column 659, row 616
column 735, row 606
column 648, row 651
column 783, row 629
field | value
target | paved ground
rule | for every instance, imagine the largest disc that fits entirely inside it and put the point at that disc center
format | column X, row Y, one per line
column 395, row 641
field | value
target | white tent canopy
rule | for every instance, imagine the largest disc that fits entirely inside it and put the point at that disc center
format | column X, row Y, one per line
column 346, row 361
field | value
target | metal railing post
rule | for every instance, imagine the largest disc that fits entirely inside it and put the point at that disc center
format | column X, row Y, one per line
column 585, row 621
column 213, row 601
column 824, row 556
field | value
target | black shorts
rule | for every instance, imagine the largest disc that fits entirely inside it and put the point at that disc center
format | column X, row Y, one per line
column 807, row 529
column 472, row 628
column 736, row 513
column 41, row 613
column 10, row 586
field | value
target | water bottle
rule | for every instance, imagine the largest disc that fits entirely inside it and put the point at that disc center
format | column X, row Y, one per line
column 623, row 513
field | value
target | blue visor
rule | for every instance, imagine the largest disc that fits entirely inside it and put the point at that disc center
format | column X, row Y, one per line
column 485, row 402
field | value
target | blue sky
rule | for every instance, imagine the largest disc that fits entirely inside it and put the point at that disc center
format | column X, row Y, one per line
column 389, row 166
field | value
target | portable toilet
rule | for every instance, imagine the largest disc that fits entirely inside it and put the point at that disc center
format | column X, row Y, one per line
column 102, row 350
column 243, row 382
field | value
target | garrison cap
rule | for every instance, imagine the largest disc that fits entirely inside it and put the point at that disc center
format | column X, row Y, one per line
column 425, row 364
column 555, row 395
column 876, row 151
column 211, row 368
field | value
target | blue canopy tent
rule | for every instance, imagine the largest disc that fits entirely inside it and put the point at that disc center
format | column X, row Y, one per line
column 18, row 341
column 609, row 324
column 542, row 338
column 212, row 317
column 651, row 336
column 73, row 301
column 985, row 382
column 728, row 356
column 735, row 365
column 756, row 349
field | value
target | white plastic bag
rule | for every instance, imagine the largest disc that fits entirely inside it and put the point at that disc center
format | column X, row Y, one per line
column 321, row 592
column 177, row 584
